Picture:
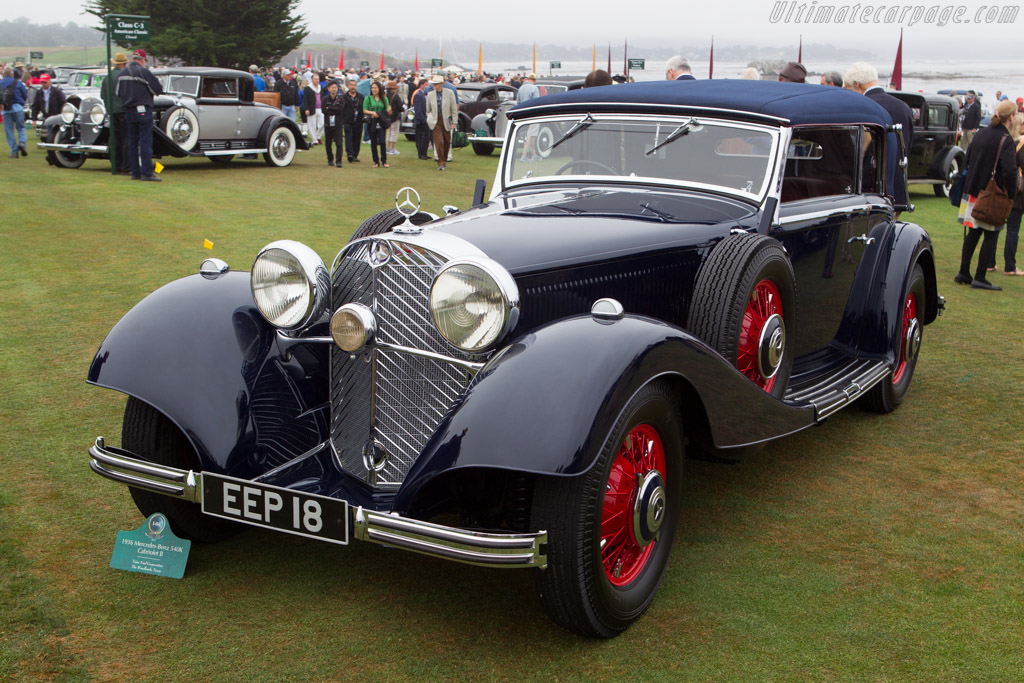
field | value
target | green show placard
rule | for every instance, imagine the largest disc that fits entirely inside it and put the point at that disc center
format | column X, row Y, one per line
column 636, row 64
column 364, row 64
column 151, row 549
column 556, row 65
column 436, row 63
column 126, row 28
column 35, row 55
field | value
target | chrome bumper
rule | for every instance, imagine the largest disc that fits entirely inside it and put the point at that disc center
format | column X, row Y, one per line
column 481, row 138
column 73, row 148
column 450, row 543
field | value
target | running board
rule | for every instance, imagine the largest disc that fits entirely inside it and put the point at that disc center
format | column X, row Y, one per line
column 838, row 386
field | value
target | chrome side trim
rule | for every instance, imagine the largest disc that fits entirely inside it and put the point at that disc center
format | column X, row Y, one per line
column 500, row 550
column 76, row 148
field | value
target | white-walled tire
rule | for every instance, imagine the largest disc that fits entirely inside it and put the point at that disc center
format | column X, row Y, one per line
column 280, row 147
column 182, row 127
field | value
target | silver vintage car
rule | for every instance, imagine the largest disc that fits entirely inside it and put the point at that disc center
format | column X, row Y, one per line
column 203, row 112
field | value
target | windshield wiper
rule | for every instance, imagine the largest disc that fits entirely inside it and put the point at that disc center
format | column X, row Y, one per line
column 566, row 209
column 580, row 125
column 657, row 212
column 673, row 136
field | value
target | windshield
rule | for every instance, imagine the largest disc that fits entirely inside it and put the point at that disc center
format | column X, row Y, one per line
column 692, row 151
column 468, row 95
column 551, row 88
column 184, row 85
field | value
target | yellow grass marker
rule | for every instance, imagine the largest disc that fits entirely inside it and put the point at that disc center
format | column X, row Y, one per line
column 207, row 244
column 158, row 167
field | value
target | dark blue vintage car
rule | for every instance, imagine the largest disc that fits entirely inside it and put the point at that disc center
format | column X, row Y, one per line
column 693, row 270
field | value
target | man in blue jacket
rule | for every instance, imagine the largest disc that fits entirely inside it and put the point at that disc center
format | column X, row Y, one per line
column 419, row 120
column 14, row 112
column 137, row 86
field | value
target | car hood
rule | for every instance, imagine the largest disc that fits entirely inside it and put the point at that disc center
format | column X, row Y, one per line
column 562, row 228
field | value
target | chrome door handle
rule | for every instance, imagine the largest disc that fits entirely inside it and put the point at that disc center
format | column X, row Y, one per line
column 861, row 238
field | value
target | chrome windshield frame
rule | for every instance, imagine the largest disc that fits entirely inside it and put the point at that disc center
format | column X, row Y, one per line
column 504, row 180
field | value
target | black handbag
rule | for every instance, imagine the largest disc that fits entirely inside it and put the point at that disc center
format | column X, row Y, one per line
column 956, row 190
column 994, row 204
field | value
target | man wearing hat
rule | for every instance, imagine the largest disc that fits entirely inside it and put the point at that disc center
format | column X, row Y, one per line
column 289, row 90
column 442, row 117
column 14, row 117
column 257, row 80
column 793, row 72
column 116, row 109
column 49, row 100
column 137, row 86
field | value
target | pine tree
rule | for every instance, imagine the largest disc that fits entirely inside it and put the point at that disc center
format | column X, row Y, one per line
column 224, row 33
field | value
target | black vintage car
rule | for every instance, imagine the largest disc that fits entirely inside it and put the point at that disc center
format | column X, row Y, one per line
column 694, row 270
column 204, row 112
column 934, row 157
column 488, row 128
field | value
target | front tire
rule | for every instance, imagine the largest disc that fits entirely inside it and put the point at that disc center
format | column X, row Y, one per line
column 887, row 395
column 744, row 307
column 280, row 147
column 63, row 158
column 610, row 530
column 483, row 148
column 148, row 433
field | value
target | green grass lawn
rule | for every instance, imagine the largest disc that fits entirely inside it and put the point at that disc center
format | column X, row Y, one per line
column 870, row 548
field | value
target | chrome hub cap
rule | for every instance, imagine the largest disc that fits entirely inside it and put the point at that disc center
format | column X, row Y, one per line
column 280, row 146
column 912, row 343
column 649, row 508
column 181, row 129
column 771, row 346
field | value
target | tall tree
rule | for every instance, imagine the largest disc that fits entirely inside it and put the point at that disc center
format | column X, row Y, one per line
column 226, row 33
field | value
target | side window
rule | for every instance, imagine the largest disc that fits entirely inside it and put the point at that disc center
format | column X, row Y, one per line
column 506, row 95
column 938, row 116
column 222, row 88
column 821, row 162
column 489, row 95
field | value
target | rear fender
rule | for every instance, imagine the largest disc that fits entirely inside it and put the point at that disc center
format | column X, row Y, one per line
column 274, row 121
column 942, row 160
column 874, row 318
column 199, row 351
column 544, row 404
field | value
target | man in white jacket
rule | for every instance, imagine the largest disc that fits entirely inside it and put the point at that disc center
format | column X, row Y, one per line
column 442, row 117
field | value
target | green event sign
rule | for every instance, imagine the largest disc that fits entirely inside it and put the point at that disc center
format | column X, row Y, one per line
column 636, row 64
column 436, row 63
column 35, row 55
column 151, row 549
column 127, row 28
column 364, row 63
column 556, row 65
column 19, row 59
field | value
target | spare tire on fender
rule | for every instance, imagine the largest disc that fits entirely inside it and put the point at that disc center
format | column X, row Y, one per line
column 744, row 307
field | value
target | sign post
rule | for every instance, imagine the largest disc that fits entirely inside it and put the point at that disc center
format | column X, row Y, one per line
column 120, row 28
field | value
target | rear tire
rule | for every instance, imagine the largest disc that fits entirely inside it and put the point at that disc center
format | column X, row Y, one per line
column 149, row 434
column 887, row 395
column 600, row 578
column 483, row 148
column 943, row 189
column 280, row 147
column 385, row 220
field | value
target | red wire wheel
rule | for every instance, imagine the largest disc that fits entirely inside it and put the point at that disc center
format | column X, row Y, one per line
column 622, row 555
column 764, row 302
column 909, row 314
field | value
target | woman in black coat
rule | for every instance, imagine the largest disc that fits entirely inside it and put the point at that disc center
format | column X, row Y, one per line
column 992, row 148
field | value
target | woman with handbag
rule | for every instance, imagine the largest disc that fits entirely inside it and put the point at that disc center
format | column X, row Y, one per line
column 989, row 187
column 378, row 114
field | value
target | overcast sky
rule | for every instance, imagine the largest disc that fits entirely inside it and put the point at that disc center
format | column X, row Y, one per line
column 649, row 22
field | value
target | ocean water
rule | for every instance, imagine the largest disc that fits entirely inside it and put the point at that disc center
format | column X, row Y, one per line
column 929, row 76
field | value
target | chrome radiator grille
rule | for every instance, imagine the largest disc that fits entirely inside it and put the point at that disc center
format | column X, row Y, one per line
column 384, row 398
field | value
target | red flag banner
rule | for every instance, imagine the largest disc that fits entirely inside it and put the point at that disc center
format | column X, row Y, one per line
column 341, row 61
column 609, row 58
column 800, row 50
column 416, row 64
column 309, row 59
column 711, row 66
column 382, row 60
column 896, row 82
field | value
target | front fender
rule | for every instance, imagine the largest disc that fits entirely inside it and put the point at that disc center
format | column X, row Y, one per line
column 199, row 351
column 546, row 403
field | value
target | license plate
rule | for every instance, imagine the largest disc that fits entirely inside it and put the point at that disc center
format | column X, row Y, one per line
column 273, row 507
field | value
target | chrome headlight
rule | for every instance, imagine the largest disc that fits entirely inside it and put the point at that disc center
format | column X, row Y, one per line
column 68, row 113
column 97, row 113
column 290, row 284
column 474, row 303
